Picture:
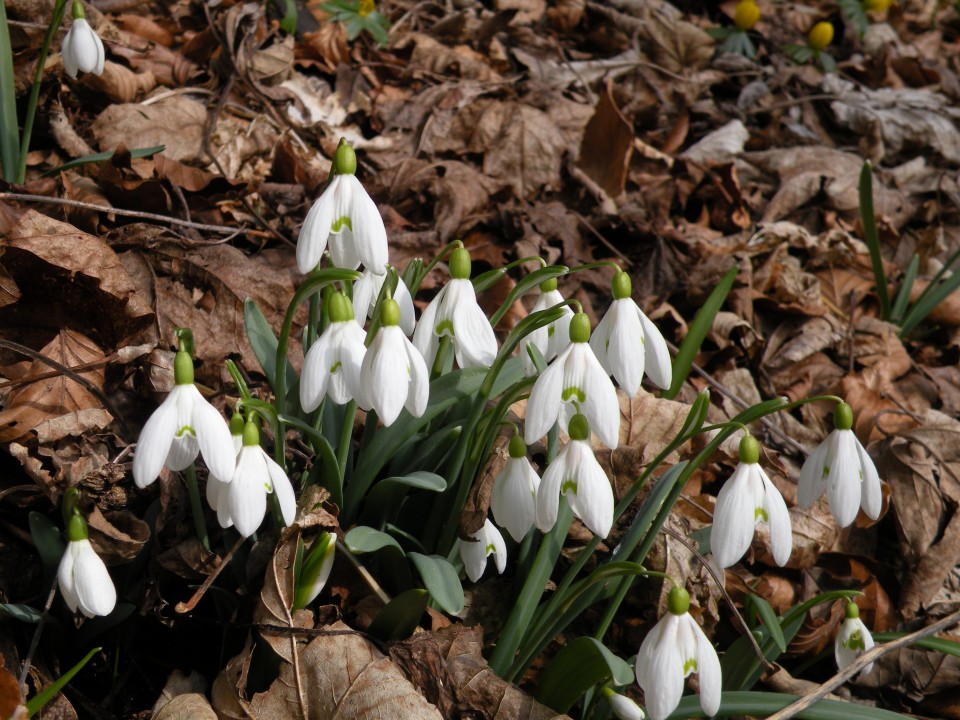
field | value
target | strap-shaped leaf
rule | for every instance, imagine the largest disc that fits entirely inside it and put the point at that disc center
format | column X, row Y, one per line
column 400, row 617
column 363, row 539
column 762, row 704
column 579, row 666
column 441, row 580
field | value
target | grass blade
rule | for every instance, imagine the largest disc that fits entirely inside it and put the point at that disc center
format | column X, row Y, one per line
column 871, row 237
column 9, row 129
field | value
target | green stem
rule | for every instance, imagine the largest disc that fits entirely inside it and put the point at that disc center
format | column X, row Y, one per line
column 58, row 10
column 346, row 435
column 193, row 490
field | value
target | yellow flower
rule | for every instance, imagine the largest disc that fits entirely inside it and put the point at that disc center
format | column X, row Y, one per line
column 366, row 7
column 878, row 6
column 821, row 35
column 746, row 14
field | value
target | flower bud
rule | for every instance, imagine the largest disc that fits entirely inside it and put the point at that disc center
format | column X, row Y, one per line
column 820, row 36
column 746, row 15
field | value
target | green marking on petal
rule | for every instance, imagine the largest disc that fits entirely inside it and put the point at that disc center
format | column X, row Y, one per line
column 573, row 392
column 826, row 471
column 336, row 366
column 760, row 514
column 186, row 429
column 855, row 641
column 689, row 666
column 569, row 486
column 490, row 548
column 551, row 330
column 340, row 223
column 444, row 328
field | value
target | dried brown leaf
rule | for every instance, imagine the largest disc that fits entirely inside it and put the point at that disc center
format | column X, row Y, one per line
column 191, row 706
column 276, row 599
column 117, row 536
column 607, row 145
column 119, row 83
column 176, row 122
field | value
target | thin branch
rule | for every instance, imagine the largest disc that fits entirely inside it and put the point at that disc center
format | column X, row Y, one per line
column 28, row 660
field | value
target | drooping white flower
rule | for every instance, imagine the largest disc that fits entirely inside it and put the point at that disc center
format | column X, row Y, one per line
column 332, row 365
column 183, row 425
column 674, row 648
column 746, row 499
column 454, row 311
column 366, row 291
column 623, row 707
column 576, row 473
column 626, row 342
column 217, row 488
column 345, row 216
column 574, row 382
column 83, row 578
column 256, row 476
column 317, row 563
column 393, row 374
column 514, row 491
column 842, row 467
column 81, row 49
column 474, row 554
column 553, row 338
column 853, row 638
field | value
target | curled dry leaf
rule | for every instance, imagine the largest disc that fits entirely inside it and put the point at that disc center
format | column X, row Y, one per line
column 117, row 536
column 607, row 145
column 191, row 706
column 176, row 122
column 276, row 600
column 119, row 83
column 478, row 502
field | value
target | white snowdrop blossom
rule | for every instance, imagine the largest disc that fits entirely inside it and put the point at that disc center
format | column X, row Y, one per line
column 486, row 541
column 81, row 49
column 82, row 576
column 345, row 216
column 551, row 339
column 746, row 499
column 576, row 473
column 256, row 476
column 183, row 425
column 626, row 342
column 366, row 290
column 454, row 312
column 393, row 374
column 674, row 648
column 333, row 362
column 217, row 488
column 315, row 571
column 575, row 382
column 623, row 707
column 853, row 638
column 842, row 467
column 514, row 491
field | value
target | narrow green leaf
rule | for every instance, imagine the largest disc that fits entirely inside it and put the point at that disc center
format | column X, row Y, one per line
column 36, row 703
column 46, row 536
column 401, row 616
column 941, row 645
column 770, row 621
column 903, row 294
column 524, row 286
column 579, row 666
column 264, row 343
column 441, row 580
column 386, row 496
column 363, row 539
column 929, row 301
column 872, row 238
column 702, row 322
column 23, row 613
column 762, row 704
column 103, row 157
column 9, row 127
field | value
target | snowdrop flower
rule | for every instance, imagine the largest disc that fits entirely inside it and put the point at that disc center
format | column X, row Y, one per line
column 217, row 488
column 454, row 311
column 842, row 467
column 315, row 570
column 366, row 291
column 553, row 338
column 626, row 342
column 256, row 475
column 574, row 383
column 576, row 473
column 623, row 707
column 474, row 554
column 84, row 580
column 81, row 48
column 346, row 216
column 393, row 374
column 184, row 424
column 514, row 491
column 853, row 639
column 746, row 499
column 332, row 365
column 674, row 648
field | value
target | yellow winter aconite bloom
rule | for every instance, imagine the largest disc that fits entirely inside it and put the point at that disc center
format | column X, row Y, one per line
column 746, row 14
column 821, row 35
column 877, row 5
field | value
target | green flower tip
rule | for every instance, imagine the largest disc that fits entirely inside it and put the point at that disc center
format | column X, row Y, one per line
column 843, row 417
column 341, row 309
column 76, row 528
column 851, row 611
column 460, row 264
column 678, row 601
column 183, row 368
column 389, row 313
column 518, row 448
column 548, row 285
column 579, row 428
column 251, row 434
column 622, row 287
column 345, row 159
column 749, row 450
column 236, row 424
column 580, row 328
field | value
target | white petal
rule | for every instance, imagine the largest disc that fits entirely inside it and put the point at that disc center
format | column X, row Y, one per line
column 778, row 519
column 658, row 365
column 474, row 340
column 419, row 390
column 283, row 490
column 65, row 576
column 843, row 480
column 316, row 228
column 316, row 371
column 408, row 317
column 708, row 671
column 625, row 350
column 247, row 502
column 369, row 233
column 733, row 518
column 662, row 680
column 602, row 409
column 183, row 451
column 154, row 443
column 95, row 590
column 352, row 352
column 543, row 406
column 843, row 653
column 213, row 435
column 872, row 496
column 493, row 542
column 548, row 494
column 70, row 65
column 512, row 500
column 386, row 373
column 473, row 552
column 813, row 475
column 625, row 708
column 592, row 500
column 424, row 338
column 365, row 292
